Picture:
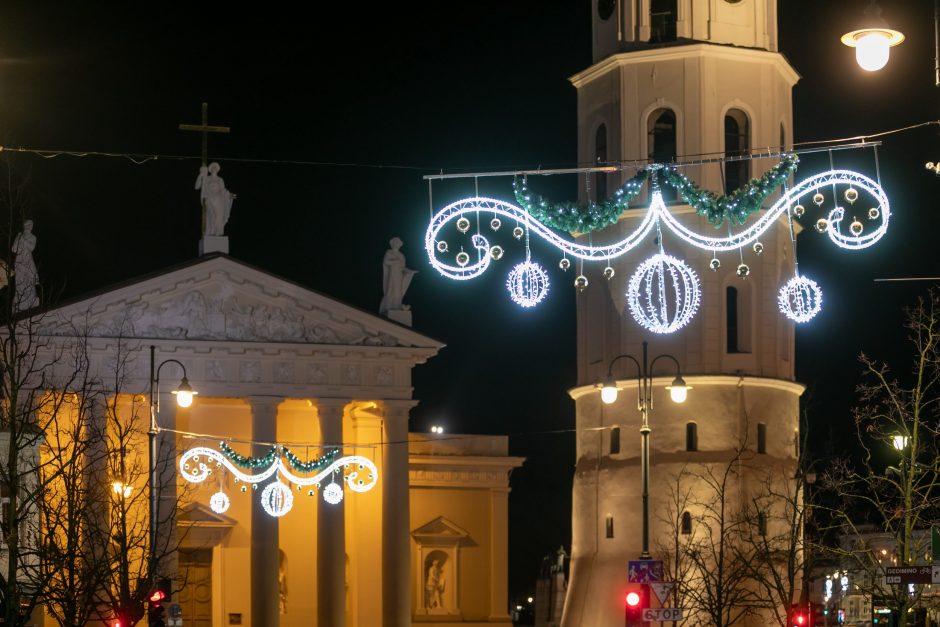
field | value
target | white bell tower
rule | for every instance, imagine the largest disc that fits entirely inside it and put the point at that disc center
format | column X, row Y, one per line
column 686, row 79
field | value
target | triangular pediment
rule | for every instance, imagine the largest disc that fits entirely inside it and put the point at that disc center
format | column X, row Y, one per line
column 217, row 298
column 199, row 515
column 439, row 529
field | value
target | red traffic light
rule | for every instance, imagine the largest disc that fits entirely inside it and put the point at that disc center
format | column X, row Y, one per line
column 157, row 596
column 633, row 598
column 637, row 599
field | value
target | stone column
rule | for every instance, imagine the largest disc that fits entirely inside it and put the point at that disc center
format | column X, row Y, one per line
column 331, row 529
column 499, row 554
column 396, row 518
column 264, row 528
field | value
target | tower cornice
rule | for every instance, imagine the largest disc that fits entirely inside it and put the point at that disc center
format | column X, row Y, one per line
column 705, row 380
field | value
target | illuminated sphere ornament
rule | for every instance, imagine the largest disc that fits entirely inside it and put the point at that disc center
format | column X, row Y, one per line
column 743, row 270
column 609, row 273
column 873, row 213
column 333, row 494
column 851, row 195
column 527, row 284
column 244, row 488
column 496, row 252
column 856, row 228
column 663, row 294
column 518, row 232
column 758, row 247
column 581, row 282
column 564, row 264
column 818, row 198
column 495, row 223
column 442, row 246
column 219, row 502
column 462, row 259
column 463, row 225
column 799, row 210
column 714, row 264
column 822, row 225
column 800, row 299
column 277, row 499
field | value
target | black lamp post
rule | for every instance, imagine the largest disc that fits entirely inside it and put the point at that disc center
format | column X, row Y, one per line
column 184, row 398
column 678, row 392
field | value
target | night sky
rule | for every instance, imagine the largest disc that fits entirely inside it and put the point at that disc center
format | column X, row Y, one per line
column 381, row 95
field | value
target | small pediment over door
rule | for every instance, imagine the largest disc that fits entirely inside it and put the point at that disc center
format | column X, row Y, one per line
column 441, row 532
column 200, row 527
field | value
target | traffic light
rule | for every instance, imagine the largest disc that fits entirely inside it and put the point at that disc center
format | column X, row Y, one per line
column 159, row 595
column 802, row 616
column 636, row 599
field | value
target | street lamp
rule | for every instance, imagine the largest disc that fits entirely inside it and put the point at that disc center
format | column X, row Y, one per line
column 872, row 40
column 184, row 398
column 678, row 391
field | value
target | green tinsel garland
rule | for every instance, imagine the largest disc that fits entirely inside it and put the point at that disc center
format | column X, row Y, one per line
column 571, row 216
column 249, row 462
column 741, row 203
column 314, row 464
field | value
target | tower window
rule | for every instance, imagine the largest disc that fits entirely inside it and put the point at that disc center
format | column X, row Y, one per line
column 691, row 436
column 661, row 139
column 663, row 18
column 610, row 526
column 686, row 523
column 737, row 143
column 615, row 441
column 762, row 523
column 600, row 158
column 738, row 318
column 731, row 313
column 761, row 438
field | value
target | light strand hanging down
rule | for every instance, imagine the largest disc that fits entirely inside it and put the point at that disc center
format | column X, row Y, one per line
column 358, row 473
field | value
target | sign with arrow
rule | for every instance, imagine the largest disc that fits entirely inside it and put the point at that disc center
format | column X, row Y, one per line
column 662, row 589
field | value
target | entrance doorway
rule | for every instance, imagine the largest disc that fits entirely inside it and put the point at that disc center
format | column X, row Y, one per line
column 195, row 599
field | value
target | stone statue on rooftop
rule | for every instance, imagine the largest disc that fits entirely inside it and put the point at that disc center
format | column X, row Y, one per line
column 25, row 275
column 395, row 278
column 216, row 199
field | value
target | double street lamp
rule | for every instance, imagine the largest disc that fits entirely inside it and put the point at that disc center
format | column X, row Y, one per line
column 678, row 391
column 184, row 398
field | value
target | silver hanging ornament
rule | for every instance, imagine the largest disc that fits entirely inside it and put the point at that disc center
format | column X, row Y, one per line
column 495, row 223
column 462, row 259
column 799, row 210
column 608, row 273
column 822, row 225
column 518, row 232
column 442, row 246
column 743, row 270
column 714, row 264
column 758, row 247
column 581, row 282
column 851, row 195
column 817, row 198
column 873, row 213
column 496, row 252
column 856, row 228
column 564, row 264
column 463, row 225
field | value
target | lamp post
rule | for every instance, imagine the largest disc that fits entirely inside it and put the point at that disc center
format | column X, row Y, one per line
column 678, row 391
column 184, row 398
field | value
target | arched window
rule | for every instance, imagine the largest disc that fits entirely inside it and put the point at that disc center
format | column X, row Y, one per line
column 691, row 436
column 737, row 143
column 738, row 319
column 761, row 438
column 600, row 158
column 610, row 526
column 731, row 314
column 661, row 139
column 663, row 17
column 762, row 523
column 686, row 523
column 615, row 441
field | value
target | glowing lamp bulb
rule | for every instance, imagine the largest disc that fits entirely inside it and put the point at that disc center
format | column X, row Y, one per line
column 633, row 599
column 184, row 393
column 899, row 442
column 609, row 391
column 871, row 51
column 678, row 391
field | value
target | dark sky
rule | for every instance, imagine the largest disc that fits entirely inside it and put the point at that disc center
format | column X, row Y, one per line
column 418, row 88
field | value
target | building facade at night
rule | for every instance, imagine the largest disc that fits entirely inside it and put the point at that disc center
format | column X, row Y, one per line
column 685, row 79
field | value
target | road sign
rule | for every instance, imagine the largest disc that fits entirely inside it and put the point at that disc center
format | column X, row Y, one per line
column 908, row 574
column 662, row 589
column 644, row 571
column 176, row 611
column 651, row 615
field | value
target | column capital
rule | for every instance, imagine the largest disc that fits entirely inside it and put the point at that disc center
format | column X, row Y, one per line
column 331, row 406
column 264, row 404
column 398, row 408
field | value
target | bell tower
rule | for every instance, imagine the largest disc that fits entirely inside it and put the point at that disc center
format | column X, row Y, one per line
column 676, row 81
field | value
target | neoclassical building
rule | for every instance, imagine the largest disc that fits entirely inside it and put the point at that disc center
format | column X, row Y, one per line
column 275, row 362
column 679, row 78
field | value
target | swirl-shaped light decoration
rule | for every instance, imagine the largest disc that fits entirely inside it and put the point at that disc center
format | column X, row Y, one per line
column 658, row 212
column 194, row 467
column 800, row 299
column 650, row 288
column 527, row 284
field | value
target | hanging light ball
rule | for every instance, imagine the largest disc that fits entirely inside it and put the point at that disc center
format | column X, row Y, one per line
column 799, row 210
column 495, row 223
column 822, row 225
column 650, row 287
column 244, row 488
column 332, row 494
column 609, row 273
column 219, row 502
column 851, row 195
column 527, row 284
column 564, row 264
column 874, row 213
column 714, row 264
column 518, row 232
column 441, row 246
column 743, row 270
column 462, row 259
column 463, row 225
column 800, row 299
column 496, row 252
column 758, row 247
column 856, row 228
column 310, row 492
column 581, row 282
column 817, row 198
column 277, row 499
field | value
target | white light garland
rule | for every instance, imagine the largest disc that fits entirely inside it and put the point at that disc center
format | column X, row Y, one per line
column 800, row 299
column 219, row 502
column 527, row 284
column 650, row 288
column 361, row 475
